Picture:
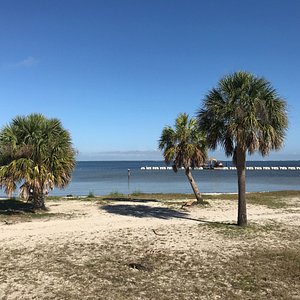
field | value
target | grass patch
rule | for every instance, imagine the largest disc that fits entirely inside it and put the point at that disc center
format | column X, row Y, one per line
column 152, row 196
column 117, row 268
column 57, row 197
column 278, row 199
column 272, row 273
column 169, row 196
column 252, row 231
column 281, row 199
column 116, row 194
column 91, row 195
column 137, row 193
column 168, row 199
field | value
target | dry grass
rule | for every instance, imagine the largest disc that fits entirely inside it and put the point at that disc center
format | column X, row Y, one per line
column 280, row 199
column 216, row 261
column 127, row 266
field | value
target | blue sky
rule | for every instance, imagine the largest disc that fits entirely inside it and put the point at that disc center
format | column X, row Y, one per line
column 116, row 72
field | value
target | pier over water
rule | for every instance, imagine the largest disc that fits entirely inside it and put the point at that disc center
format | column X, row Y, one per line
column 253, row 168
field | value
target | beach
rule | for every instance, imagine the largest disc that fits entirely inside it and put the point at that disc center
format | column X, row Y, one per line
column 146, row 249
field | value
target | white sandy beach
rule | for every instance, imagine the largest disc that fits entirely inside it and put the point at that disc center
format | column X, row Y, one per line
column 163, row 227
column 92, row 222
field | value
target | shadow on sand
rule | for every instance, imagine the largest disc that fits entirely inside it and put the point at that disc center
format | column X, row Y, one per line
column 130, row 199
column 13, row 206
column 146, row 211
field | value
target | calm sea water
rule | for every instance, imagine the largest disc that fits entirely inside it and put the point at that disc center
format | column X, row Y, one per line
column 104, row 177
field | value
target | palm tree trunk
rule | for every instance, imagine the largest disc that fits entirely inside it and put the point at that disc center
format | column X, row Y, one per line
column 193, row 185
column 241, row 172
column 39, row 201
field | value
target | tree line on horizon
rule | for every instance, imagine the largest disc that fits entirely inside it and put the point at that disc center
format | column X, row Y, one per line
column 242, row 114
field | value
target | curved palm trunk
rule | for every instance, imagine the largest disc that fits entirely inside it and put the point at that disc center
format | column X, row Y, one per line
column 193, row 185
column 241, row 173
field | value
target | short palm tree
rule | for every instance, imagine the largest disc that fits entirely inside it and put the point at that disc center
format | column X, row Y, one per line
column 36, row 154
column 243, row 114
column 184, row 146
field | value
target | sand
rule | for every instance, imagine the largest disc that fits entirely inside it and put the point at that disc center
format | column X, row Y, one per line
column 163, row 227
column 92, row 222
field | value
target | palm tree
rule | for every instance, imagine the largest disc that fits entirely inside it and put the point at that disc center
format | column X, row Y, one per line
column 243, row 114
column 184, row 146
column 36, row 154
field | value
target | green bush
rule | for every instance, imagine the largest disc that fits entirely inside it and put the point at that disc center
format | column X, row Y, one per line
column 91, row 195
column 115, row 194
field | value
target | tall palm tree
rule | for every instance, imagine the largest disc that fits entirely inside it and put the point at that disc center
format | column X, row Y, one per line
column 243, row 114
column 36, row 154
column 184, row 146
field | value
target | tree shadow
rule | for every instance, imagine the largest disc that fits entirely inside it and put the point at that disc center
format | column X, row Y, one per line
column 145, row 211
column 130, row 199
column 14, row 207
column 216, row 223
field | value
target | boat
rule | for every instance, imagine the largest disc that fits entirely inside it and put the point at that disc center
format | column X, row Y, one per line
column 213, row 164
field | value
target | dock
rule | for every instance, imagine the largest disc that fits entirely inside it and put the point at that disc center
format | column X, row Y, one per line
column 258, row 168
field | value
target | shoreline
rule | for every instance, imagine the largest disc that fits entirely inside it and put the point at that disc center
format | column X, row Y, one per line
column 141, row 194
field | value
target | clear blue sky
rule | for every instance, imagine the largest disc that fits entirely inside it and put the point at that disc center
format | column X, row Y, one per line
column 116, row 72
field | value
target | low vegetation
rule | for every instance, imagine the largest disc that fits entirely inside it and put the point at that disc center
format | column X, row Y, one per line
column 128, row 266
column 215, row 260
column 279, row 199
column 91, row 195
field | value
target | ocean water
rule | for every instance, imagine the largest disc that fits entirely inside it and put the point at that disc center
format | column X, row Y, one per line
column 105, row 177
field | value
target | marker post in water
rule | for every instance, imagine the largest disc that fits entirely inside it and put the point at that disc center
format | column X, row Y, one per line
column 128, row 175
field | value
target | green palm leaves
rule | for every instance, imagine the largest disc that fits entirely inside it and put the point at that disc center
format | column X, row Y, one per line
column 244, row 110
column 184, row 146
column 36, row 153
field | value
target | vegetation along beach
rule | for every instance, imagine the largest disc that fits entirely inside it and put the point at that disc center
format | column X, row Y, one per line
column 149, row 150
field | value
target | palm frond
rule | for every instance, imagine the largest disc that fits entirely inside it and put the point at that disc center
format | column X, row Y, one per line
column 243, row 110
column 183, row 144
